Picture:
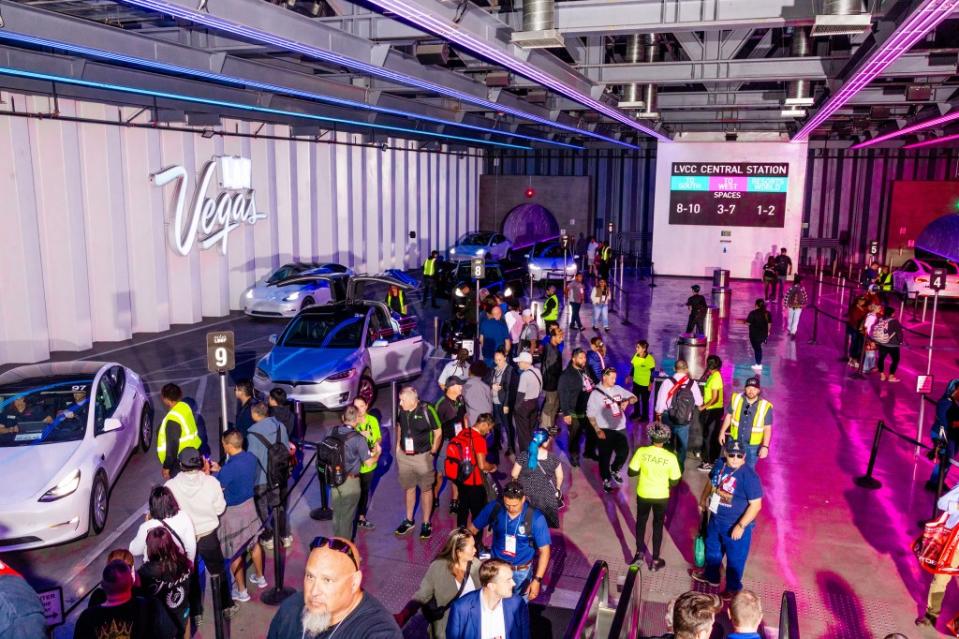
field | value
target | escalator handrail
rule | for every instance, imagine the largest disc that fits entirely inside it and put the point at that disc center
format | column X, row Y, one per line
column 628, row 603
column 597, row 585
column 788, row 616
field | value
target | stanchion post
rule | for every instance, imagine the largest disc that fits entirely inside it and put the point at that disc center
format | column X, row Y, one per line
column 278, row 593
column 819, row 288
column 436, row 332
column 925, row 306
column 815, row 324
column 943, row 461
column 216, row 586
column 922, row 398
column 842, row 292
column 652, row 275
column 626, row 309
column 867, row 480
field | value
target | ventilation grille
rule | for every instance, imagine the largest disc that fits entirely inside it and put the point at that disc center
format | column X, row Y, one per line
column 833, row 25
column 548, row 39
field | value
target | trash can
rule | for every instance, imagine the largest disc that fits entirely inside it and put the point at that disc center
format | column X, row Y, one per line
column 721, row 299
column 720, row 278
column 692, row 348
column 711, row 324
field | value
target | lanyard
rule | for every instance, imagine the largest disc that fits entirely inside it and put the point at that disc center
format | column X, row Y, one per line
column 519, row 519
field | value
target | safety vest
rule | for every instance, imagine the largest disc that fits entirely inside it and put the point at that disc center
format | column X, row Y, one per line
column 606, row 253
column 429, row 267
column 553, row 313
column 885, row 282
column 759, row 418
column 389, row 298
column 189, row 435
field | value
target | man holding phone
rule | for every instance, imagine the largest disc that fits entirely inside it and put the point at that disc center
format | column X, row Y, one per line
column 606, row 412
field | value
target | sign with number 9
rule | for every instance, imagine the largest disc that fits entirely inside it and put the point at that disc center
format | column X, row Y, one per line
column 220, row 351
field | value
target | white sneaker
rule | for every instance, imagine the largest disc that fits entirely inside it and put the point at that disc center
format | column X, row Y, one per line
column 259, row 582
column 241, row 596
column 287, row 541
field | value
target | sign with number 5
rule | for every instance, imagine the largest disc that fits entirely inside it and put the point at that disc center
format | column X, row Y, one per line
column 220, row 351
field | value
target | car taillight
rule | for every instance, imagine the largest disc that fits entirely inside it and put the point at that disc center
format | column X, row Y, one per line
column 922, row 279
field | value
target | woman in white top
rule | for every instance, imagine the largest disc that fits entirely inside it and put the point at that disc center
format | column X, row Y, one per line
column 443, row 581
column 600, row 299
column 164, row 511
column 459, row 367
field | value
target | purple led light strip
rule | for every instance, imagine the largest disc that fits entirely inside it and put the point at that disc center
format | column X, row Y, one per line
column 933, row 142
column 919, row 23
column 919, row 126
column 441, row 28
column 175, row 10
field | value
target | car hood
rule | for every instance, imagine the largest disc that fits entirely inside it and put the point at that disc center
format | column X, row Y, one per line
column 284, row 364
column 550, row 262
column 271, row 292
column 470, row 249
column 28, row 470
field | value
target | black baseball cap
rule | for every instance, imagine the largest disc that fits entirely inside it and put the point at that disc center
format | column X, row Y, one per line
column 734, row 446
column 754, row 382
column 190, row 459
column 695, row 287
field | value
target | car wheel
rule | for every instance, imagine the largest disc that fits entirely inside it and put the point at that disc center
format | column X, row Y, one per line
column 99, row 504
column 146, row 429
column 366, row 389
column 308, row 302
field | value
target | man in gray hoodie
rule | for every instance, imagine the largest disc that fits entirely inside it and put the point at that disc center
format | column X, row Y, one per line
column 261, row 436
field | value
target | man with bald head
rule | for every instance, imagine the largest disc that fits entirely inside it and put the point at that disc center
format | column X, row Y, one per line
column 333, row 600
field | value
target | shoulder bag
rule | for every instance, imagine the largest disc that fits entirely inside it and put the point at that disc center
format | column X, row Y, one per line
column 433, row 612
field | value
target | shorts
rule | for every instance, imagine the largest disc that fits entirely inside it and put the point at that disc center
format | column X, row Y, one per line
column 415, row 470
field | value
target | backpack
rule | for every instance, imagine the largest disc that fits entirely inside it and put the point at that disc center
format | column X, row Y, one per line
column 459, row 458
column 680, row 411
column 278, row 467
column 880, row 332
column 331, row 458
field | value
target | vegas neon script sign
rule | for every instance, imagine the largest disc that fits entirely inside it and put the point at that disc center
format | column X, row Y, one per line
column 210, row 219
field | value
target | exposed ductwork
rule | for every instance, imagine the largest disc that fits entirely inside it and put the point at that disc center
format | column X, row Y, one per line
column 539, row 26
column 641, row 48
column 799, row 91
column 841, row 17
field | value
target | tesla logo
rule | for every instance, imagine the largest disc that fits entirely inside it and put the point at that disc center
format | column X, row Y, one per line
column 210, row 220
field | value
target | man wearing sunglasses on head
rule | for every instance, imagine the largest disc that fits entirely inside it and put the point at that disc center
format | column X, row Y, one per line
column 333, row 604
column 733, row 496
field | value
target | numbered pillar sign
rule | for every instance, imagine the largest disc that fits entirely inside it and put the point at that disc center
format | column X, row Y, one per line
column 609, row 227
column 478, row 266
column 874, row 248
column 220, row 351
column 937, row 281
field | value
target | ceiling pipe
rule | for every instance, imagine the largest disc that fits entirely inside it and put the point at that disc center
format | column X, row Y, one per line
column 641, row 48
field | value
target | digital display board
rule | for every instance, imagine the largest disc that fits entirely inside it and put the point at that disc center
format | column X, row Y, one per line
column 728, row 194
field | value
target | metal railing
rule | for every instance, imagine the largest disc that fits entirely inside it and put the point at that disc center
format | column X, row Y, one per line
column 788, row 617
column 626, row 620
column 590, row 617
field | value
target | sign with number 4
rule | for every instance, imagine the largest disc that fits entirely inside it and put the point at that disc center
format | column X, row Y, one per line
column 220, row 351
column 937, row 281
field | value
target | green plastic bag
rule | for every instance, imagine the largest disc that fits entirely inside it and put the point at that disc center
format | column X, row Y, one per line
column 699, row 546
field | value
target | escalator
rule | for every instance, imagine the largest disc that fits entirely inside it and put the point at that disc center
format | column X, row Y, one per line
column 595, row 618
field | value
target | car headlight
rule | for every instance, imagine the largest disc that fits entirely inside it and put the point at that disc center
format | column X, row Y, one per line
column 481, row 252
column 67, row 486
column 260, row 373
column 507, row 292
column 571, row 268
column 335, row 377
column 249, row 294
column 292, row 296
column 535, row 267
column 453, row 251
column 459, row 293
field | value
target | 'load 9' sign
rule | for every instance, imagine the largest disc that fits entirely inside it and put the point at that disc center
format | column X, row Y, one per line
column 220, row 351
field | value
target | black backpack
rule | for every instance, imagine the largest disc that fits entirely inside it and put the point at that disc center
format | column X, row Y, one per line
column 331, row 458
column 680, row 411
column 278, row 467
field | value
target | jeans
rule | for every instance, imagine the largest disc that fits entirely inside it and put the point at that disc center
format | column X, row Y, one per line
column 757, row 345
column 550, row 408
column 719, row 543
column 893, row 353
column 600, row 315
column 344, row 500
column 581, row 425
column 429, row 289
column 521, row 578
column 680, row 440
column 643, row 508
column 752, row 455
column 769, row 289
column 575, row 321
column 266, row 500
column 794, row 315
column 855, row 342
column 642, row 406
column 613, row 452
column 949, row 451
column 781, row 286
column 695, row 323
column 504, row 423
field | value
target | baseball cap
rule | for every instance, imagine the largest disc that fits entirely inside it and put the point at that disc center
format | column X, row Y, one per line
column 524, row 357
column 754, row 382
column 527, row 313
column 454, row 381
column 734, row 446
column 190, row 459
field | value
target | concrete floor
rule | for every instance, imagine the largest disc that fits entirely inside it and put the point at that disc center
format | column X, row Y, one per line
column 842, row 549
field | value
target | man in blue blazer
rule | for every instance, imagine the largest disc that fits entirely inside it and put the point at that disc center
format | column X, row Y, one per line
column 490, row 612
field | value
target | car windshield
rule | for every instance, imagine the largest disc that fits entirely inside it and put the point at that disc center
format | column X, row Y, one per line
column 324, row 331
column 51, row 411
column 481, row 239
column 553, row 250
column 944, row 264
column 285, row 272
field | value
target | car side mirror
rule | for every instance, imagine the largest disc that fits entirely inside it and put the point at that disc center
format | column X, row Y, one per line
column 272, row 338
column 380, row 343
column 111, row 424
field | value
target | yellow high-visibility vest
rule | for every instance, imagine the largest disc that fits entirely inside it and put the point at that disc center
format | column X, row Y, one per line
column 429, row 267
column 553, row 314
column 189, row 435
column 759, row 418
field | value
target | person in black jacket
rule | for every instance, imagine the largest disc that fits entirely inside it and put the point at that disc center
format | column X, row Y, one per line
column 245, row 398
column 575, row 386
column 552, row 368
column 503, row 380
column 697, row 311
column 280, row 409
